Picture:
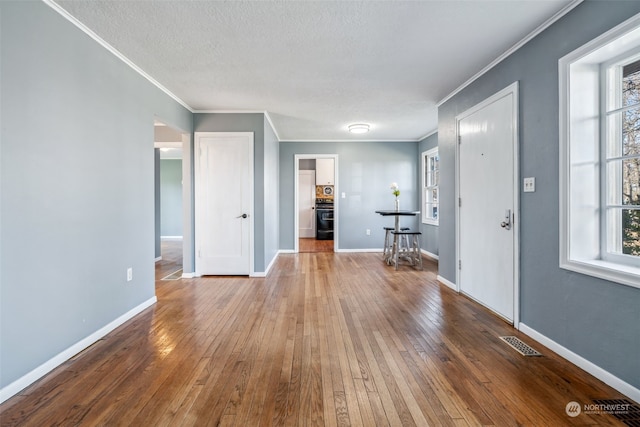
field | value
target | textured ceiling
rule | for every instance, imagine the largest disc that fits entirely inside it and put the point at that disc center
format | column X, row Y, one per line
column 316, row 66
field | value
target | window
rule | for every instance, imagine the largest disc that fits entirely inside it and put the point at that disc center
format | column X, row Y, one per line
column 600, row 156
column 621, row 160
column 430, row 182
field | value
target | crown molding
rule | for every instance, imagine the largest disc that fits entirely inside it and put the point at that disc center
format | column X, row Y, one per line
column 428, row 135
column 568, row 8
column 350, row 140
column 53, row 5
column 266, row 114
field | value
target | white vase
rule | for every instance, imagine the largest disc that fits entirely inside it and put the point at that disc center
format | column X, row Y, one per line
column 397, row 204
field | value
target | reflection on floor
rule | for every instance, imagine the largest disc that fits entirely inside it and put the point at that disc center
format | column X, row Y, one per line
column 171, row 251
column 313, row 245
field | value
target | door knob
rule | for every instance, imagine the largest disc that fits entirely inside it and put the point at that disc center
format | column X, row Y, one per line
column 242, row 216
column 506, row 224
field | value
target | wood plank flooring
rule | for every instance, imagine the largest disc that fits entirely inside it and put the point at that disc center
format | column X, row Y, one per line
column 312, row 245
column 327, row 339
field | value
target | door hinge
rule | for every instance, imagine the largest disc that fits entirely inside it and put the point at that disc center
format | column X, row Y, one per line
column 459, row 264
column 459, row 202
column 459, row 139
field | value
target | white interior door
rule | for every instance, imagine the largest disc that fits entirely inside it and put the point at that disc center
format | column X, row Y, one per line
column 223, row 202
column 306, row 203
column 487, row 180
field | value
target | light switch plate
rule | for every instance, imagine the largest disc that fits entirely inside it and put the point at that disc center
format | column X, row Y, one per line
column 529, row 185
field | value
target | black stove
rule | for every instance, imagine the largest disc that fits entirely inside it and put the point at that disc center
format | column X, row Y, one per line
column 324, row 219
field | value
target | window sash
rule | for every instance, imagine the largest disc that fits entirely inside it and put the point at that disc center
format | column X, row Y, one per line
column 430, row 185
column 616, row 205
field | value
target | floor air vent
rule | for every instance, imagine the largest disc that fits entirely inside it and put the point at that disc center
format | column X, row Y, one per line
column 174, row 276
column 520, row 346
column 623, row 409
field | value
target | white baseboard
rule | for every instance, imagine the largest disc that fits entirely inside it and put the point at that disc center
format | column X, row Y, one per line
column 170, row 237
column 188, row 275
column 604, row 376
column 48, row 366
column 361, row 250
column 429, row 255
column 286, row 251
column 446, row 282
column 158, row 259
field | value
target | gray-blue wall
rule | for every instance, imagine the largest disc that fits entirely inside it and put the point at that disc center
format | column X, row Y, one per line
column 171, row 197
column 596, row 319
column 365, row 173
column 429, row 232
column 265, row 174
column 77, row 174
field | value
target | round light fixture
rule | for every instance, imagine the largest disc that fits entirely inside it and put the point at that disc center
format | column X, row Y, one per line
column 359, row 128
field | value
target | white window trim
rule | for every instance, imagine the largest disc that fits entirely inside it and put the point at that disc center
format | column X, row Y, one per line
column 425, row 219
column 579, row 73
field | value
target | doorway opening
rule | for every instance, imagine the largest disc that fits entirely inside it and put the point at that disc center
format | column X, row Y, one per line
column 316, row 204
column 169, row 201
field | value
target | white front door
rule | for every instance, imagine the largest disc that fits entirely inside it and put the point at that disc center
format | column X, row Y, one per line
column 306, row 203
column 487, row 148
column 223, row 202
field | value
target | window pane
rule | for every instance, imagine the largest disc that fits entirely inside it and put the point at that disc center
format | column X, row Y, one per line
column 623, row 231
column 631, row 132
column 631, row 84
column 630, row 182
column 631, row 232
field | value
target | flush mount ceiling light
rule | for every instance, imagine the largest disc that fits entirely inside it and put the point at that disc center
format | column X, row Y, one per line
column 359, row 128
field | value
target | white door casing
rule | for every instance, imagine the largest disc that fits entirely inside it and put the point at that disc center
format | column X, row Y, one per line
column 487, row 220
column 306, row 203
column 223, row 169
column 336, row 199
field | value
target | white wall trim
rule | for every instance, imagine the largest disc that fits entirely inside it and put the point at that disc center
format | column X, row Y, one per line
column 568, row 8
column 268, row 117
column 430, row 255
column 53, row 5
column 605, row 376
column 48, row 366
column 350, row 140
column 189, row 275
column 158, row 259
column 360, row 250
column 428, row 135
column 286, row 251
column 170, row 237
column 446, row 282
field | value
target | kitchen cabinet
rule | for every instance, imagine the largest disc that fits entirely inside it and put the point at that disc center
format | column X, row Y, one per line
column 324, row 172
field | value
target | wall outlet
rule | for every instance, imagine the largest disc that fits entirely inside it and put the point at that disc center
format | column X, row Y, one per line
column 368, row 232
column 529, row 185
column 129, row 274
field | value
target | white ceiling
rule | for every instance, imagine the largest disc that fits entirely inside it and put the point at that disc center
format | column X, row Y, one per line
column 316, row 66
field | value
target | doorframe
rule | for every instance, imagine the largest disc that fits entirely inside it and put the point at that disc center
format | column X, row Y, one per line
column 512, row 89
column 196, row 146
column 296, row 169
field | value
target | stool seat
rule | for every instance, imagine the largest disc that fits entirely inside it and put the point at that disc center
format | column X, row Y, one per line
column 388, row 243
column 410, row 250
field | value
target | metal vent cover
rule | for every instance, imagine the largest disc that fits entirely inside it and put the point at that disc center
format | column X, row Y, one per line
column 630, row 415
column 520, row 346
column 176, row 275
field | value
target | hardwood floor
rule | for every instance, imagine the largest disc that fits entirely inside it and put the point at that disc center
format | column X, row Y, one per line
column 313, row 245
column 326, row 339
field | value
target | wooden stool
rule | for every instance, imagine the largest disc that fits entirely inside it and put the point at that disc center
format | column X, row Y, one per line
column 410, row 250
column 388, row 243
